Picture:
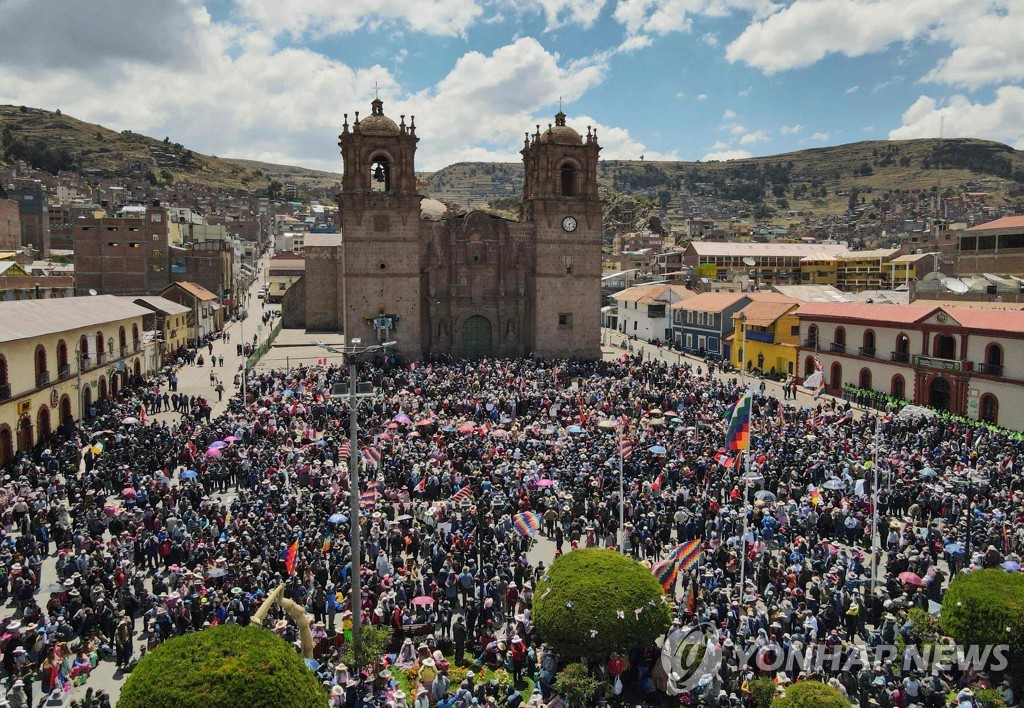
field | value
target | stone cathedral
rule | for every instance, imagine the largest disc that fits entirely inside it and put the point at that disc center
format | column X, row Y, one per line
column 470, row 285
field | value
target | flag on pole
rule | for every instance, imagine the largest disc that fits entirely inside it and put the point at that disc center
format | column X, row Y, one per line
column 368, row 500
column 422, row 485
column 738, row 435
column 666, row 572
column 371, row 456
column 344, row 450
column 691, row 599
column 462, row 494
column 485, row 428
column 625, row 448
column 527, row 523
column 289, row 557
column 657, row 482
column 686, row 554
column 724, row 460
column 143, row 416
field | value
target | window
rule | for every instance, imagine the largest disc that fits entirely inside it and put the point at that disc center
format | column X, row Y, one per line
column 689, row 341
column 794, row 331
column 565, row 320
column 380, row 174
column 134, row 244
column 865, row 379
column 568, row 180
column 156, row 218
column 808, row 366
column 840, row 336
column 702, row 342
column 898, row 387
column 988, row 410
column 113, row 244
column 156, row 237
column 634, row 323
column 836, row 380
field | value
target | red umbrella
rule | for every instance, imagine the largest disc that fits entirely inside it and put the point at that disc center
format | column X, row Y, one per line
column 423, row 600
column 128, row 492
column 910, row 578
column 425, row 421
column 467, row 428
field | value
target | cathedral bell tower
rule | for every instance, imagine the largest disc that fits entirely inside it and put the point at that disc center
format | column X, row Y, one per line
column 379, row 210
column 560, row 199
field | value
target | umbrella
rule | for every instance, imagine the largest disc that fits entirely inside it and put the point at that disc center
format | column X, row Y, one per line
column 574, row 430
column 655, row 411
column 128, row 492
column 231, row 438
column 954, row 549
column 910, row 578
column 129, row 420
column 448, row 429
column 764, row 495
column 189, row 474
column 54, row 587
column 337, row 519
column 467, row 428
column 545, row 482
column 927, row 472
column 218, row 445
column 402, row 418
column 423, row 600
column 403, row 517
column 213, row 452
column 657, row 449
column 1011, row 566
column 834, row 483
column 425, row 421
column 287, row 392
column 392, row 426
column 216, row 573
column 499, row 433
column 313, row 664
column 101, row 432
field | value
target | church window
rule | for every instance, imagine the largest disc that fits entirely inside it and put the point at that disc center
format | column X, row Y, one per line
column 565, row 320
column 380, row 175
column 568, row 175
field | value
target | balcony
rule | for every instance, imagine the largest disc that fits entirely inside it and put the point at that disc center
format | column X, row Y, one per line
column 810, row 343
column 102, row 358
column 933, row 362
column 837, row 348
column 989, row 369
column 867, row 351
column 5, row 391
column 42, row 378
column 64, row 372
column 84, row 363
column 765, row 337
column 124, row 351
column 900, row 357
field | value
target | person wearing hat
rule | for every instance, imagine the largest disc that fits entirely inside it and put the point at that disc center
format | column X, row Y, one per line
column 459, row 635
column 427, row 672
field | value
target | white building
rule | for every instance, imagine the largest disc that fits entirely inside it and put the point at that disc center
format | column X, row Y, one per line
column 644, row 311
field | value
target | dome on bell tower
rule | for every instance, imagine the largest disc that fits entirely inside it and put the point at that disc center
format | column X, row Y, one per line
column 560, row 133
column 377, row 123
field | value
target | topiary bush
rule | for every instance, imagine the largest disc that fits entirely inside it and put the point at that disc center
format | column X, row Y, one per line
column 811, row 694
column 576, row 684
column 763, row 692
column 223, row 666
column 583, row 592
column 980, row 606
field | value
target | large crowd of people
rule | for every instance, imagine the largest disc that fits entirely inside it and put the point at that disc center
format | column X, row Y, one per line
column 161, row 529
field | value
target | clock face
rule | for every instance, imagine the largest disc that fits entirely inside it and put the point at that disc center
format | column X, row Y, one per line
column 569, row 224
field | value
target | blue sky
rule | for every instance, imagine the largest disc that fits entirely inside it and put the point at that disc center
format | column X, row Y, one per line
column 667, row 79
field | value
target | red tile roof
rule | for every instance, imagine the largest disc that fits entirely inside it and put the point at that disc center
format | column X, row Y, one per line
column 875, row 312
column 994, row 320
column 194, row 289
column 1007, row 222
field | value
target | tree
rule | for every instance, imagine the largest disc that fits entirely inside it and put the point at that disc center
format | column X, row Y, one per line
column 576, row 685
column 810, row 694
column 373, row 642
column 588, row 588
column 980, row 607
column 223, row 666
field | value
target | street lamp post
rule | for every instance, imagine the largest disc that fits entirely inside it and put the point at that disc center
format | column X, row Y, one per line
column 743, row 343
column 617, row 426
column 351, row 355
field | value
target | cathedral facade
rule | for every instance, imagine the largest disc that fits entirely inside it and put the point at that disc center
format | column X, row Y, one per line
column 469, row 285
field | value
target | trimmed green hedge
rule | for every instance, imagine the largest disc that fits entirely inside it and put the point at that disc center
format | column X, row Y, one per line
column 979, row 606
column 223, row 667
column 583, row 591
column 811, row 694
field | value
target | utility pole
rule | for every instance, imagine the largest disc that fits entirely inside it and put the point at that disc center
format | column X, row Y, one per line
column 353, row 391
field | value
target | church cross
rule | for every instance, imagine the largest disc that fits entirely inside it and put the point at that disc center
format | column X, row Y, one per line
column 376, row 90
column 559, row 104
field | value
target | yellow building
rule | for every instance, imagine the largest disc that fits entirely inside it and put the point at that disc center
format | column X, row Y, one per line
column 169, row 323
column 284, row 269
column 58, row 357
column 766, row 335
column 819, row 269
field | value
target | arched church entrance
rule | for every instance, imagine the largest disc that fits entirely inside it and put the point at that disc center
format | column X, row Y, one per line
column 940, row 394
column 476, row 337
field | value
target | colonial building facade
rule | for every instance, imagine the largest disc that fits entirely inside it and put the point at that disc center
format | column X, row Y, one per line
column 469, row 285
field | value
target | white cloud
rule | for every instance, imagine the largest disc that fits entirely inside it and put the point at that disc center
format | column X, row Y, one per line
column 745, row 92
column 808, row 30
column 756, row 136
column 720, row 145
column 819, row 137
column 561, row 12
column 710, row 39
column 666, row 16
column 987, row 49
column 852, row 89
column 635, row 42
column 322, row 18
column 723, row 155
column 868, row 129
column 790, row 129
column 998, row 120
column 702, row 97
column 680, row 94
column 729, row 114
column 737, row 129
